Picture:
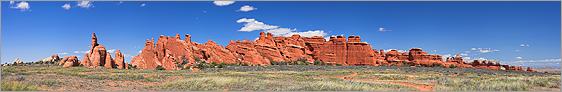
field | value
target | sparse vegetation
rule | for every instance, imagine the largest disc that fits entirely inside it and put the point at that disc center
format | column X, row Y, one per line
column 17, row 86
column 497, row 83
column 159, row 67
column 274, row 78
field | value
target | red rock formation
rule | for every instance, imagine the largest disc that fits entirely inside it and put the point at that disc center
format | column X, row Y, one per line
column 359, row 53
column 171, row 52
column 529, row 69
column 119, row 60
column 486, row 64
column 97, row 56
column 393, row 57
column 217, row 54
column 293, row 48
column 51, row 60
column 247, row 53
column 167, row 52
column 419, row 57
column 69, row 61
column 147, row 58
column 267, row 47
column 456, row 61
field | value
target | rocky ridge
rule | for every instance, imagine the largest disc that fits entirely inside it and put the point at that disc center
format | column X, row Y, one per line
column 173, row 53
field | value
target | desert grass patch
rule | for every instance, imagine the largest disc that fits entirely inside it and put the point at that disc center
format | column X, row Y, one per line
column 497, row 83
column 215, row 83
column 268, row 81
column 17, row 86
column 342, row 85
column 385, row 76
column 48, row 82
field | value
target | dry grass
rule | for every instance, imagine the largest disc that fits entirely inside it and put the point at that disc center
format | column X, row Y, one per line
column 17, row 86
column 272, row 80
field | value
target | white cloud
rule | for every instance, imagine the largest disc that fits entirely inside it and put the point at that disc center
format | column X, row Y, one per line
column 401, row 51
column 290, row 32
column 524, row 45
column 12, row 2
column 247, row 8
column 309, row 33
column 142, row 5
column 22, row 6
column 484, row 50
column 253, row 25
column 540, row 61
column 223, row 2
column 111, row 50
column 466, row 58
column 280, row 31
column 446, row 55
column 66, row 6
column 482, row 59
column 84, row 4
column 78, row 52
column 62, row 53
column 519, row 57
column 383, row 29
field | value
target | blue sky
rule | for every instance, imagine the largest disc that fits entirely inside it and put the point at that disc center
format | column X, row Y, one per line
column 521, row 33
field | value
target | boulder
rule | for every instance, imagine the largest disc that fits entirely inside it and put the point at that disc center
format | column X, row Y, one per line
column 69, row 61
column 50, row 60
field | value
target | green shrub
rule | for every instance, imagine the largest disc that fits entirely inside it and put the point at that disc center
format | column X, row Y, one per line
column 453, row 66
column 318, row 62
column 160, row 68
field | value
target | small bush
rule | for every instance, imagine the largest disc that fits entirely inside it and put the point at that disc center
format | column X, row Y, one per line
column 453, row 66
column 160, row 68
column 318, row 62
column 436, row 65
column 130, row 66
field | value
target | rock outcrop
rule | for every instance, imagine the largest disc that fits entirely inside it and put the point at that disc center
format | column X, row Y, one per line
column 247, row 53
column 50, row 60
column 120, row 60
column 168, row 52
column 98, row 56
column 69, row 61
column 173, row 53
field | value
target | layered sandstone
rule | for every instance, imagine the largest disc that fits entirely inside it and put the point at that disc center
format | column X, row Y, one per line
column 173, row 53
